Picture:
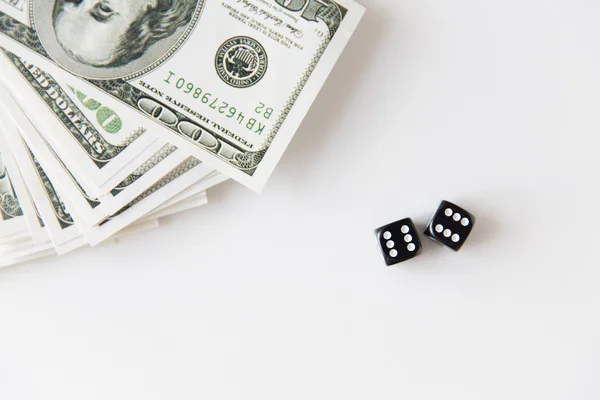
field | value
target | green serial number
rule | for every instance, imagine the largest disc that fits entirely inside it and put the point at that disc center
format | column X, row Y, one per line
column 222, row 107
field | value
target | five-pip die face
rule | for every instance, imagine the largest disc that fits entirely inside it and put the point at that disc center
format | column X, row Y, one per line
column 451, row 225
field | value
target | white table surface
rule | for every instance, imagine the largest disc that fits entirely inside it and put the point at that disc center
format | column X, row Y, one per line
column 284, row 295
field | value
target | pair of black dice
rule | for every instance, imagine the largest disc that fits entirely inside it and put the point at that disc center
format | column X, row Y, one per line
column 450, row 226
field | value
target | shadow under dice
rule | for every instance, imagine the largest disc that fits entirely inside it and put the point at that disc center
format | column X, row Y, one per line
column 450, row 225
column 399, row 241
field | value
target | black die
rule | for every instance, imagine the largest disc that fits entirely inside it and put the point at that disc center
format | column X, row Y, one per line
column 399, row 241
column 450, row 225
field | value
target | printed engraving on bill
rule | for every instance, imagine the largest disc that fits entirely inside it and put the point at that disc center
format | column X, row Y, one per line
column 274, row 49
column 9, row 204
column 241, row 62
column 116, row 39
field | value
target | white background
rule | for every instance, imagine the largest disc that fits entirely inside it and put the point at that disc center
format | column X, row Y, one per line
column 491, row 104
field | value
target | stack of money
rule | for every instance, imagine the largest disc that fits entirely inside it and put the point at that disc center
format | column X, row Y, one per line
column 115, row 113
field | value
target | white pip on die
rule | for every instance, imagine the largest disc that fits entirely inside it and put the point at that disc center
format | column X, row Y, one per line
column 451, row 225
column 398, row 241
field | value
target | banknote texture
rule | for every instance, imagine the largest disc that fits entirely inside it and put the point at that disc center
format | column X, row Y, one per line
column 63, row 217
column 9, row 203
column 184, row 167
column 144, row 168
column 258, row 65
column 59, row 102
column 115, row 113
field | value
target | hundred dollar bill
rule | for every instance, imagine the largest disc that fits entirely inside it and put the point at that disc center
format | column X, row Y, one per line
column 16, row 205
column 58, row 221
column 194, row 196
column 176, row 181
column 37, row 232
column 31, row 251
column 67, row 223
column 229, row 81
column 12, row 220
column 27, row 250
column 93, row 210
column 88, row 211
column 98, row 144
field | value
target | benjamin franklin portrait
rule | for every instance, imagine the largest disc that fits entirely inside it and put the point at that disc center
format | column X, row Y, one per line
column 113, row 33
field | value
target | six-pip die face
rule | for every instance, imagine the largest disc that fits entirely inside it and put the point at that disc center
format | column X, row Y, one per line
column 399, row 241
